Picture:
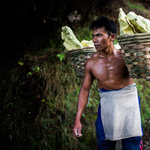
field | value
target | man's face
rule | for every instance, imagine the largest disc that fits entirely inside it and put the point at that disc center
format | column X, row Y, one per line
column 100, row 39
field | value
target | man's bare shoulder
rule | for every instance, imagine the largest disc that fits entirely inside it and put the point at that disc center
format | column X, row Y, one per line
column 89, row 66
column 90, row 62
column 92, row 58
column 94, row 55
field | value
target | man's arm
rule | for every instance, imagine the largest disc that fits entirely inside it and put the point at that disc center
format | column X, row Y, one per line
column 83, row 98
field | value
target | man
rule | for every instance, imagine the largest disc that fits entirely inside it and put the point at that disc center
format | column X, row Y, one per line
column 119, row 112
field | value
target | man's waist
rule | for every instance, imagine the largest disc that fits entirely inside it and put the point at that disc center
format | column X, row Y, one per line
column 106, row 90
column 116, row 86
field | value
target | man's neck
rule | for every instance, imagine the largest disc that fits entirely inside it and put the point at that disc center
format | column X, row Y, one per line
column 110, row 51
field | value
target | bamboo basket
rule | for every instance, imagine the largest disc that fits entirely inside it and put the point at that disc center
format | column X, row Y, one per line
column 136, row 51
column 78, row 57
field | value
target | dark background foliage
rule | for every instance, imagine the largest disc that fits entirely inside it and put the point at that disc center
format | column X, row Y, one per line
column 30, row 25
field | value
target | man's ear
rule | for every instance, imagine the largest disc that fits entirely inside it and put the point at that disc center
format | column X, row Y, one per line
column 113, row 36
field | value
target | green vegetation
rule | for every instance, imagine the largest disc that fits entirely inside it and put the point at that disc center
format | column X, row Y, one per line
column 143, row 87
column 115, row 41
column 39, row 105
column 38, row 97
column 136, row 6
column 83, row 33
column 39, row 100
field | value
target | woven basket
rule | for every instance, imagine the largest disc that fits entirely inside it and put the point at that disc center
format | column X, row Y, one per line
column 136, row 52
column 78, row 57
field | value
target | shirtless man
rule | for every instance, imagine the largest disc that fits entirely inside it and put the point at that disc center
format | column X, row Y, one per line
column 108, row 67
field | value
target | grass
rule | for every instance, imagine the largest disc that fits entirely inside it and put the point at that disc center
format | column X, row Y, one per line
column 143, row 87
column 40, row 107
column 136, row 6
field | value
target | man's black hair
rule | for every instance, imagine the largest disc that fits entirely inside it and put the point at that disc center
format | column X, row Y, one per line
column 109, row 25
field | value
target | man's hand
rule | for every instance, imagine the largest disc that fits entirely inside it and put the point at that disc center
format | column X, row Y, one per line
column 77, row 129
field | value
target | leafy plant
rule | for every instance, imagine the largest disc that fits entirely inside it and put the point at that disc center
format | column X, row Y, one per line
column 61, row 56
column 20, row 63
column 83, row 33
column 36, row 69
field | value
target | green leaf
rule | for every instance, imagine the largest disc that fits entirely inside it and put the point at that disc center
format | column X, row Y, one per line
column 61, row 56
column 20, row 63
column 43, row 100
column 10, row 104
column 83, row 115
column 29, row 73
column 50, row 104
column 58, row 55
column 37, row 68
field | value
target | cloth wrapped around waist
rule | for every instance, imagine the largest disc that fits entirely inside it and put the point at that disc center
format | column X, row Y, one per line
column 120, row 113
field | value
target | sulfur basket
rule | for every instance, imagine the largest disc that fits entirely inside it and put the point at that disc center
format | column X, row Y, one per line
column 78, row 57
column 136, row 51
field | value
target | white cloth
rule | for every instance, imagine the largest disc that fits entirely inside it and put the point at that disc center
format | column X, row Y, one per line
column 120, row 113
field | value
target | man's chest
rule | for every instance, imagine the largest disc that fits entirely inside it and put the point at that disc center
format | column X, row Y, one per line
column 105, row 69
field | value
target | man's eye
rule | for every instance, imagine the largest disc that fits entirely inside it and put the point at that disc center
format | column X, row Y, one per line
column 97, row 35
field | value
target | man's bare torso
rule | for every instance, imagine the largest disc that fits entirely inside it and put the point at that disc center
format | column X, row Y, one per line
column 111, row 72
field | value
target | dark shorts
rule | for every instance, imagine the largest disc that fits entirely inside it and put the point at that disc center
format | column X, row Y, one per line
column 134, row 143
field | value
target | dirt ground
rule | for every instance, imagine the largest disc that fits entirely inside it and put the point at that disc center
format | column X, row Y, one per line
column 145, row 138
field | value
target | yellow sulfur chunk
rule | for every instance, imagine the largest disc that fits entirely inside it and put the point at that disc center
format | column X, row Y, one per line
column 86, row 43
column 125, row 26
column 67, row 30
column 68, row 45
column 140, row 24
column 62, row 36
column 70, row 40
